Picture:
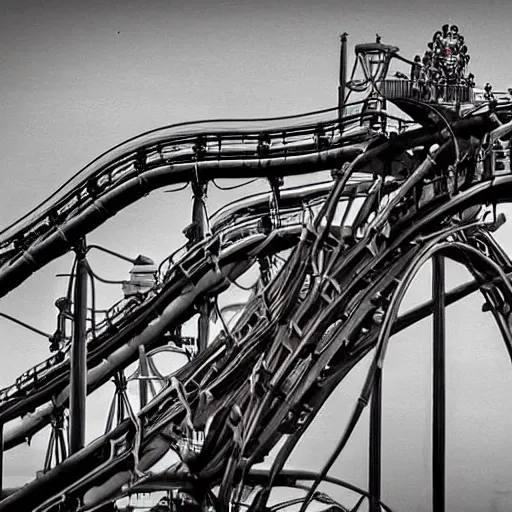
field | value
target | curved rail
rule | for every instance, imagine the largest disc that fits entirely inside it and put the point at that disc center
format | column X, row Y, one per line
column 124, row 175
column 307, row 322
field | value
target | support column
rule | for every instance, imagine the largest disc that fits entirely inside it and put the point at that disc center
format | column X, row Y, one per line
column 203, row 325
column 375, row 443
column 121, row 388
column 343, row 78
column 438, row 386
column 199, row 210
column 144, row 372
column 78, row 381
column 1, row 459
column 200, row 221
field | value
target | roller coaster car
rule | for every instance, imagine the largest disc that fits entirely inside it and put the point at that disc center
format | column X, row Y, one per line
column 142, row 277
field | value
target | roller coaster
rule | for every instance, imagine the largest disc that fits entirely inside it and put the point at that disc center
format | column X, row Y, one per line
column 418, row 162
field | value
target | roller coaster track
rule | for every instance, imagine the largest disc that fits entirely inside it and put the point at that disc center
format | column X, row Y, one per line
column 328, row 292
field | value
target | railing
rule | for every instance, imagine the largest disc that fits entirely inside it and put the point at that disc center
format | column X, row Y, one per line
column 398, row 88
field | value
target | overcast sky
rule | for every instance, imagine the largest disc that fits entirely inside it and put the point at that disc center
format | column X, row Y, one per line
column 76, row 79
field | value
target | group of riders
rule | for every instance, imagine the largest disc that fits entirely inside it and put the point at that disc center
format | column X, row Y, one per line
column 443, row 64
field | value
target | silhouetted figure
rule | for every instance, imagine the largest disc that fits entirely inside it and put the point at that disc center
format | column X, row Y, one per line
column 416, row 68
column 488, row 95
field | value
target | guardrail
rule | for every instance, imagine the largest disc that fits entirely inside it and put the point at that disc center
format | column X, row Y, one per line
column 399, row 88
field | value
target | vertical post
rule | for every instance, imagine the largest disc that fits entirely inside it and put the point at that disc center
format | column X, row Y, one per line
column 120, row 401
column 144, row 372
column 49, row 452
column 1, row 459
column 203, row 325
column 198, row 210
column 200, row 221
column 438, row 387
column 375, row 443
column 61, row 436
column 343, row 78
column 510, row 152
column 78, row 381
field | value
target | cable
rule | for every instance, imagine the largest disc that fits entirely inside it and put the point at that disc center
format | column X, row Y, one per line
column 69, row 294
column 93, row 301
column 235, row 186
column 445, row 121
column 234, row 283
column 207, row 217
column 177, row 189
column 112, row 253
column 27, row 326
column 223, row 322
column 106, row 281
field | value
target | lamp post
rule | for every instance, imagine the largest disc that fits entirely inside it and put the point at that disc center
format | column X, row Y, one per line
column 343, row 79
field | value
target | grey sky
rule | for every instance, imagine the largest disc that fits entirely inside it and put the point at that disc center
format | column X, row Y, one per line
column 76, row 79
